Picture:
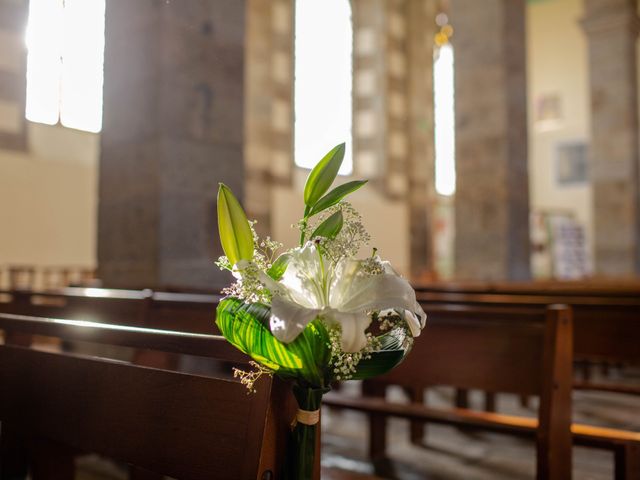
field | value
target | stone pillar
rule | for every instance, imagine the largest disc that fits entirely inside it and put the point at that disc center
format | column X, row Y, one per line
column 369, row 94
column 393, row 109
column 492, row 193
column 268, row 106
column 612, row 30
column 172, row 129
column 13, row 68
column 421, row 28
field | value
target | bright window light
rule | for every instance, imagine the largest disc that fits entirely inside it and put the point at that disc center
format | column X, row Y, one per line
column 445, row 143
column 323, row 77
column 65, row 42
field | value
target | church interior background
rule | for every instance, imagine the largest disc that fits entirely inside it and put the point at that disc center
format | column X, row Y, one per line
column 524, row 177
column 500, row 140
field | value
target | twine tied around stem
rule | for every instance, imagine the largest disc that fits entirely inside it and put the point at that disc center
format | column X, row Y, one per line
column 306, row 417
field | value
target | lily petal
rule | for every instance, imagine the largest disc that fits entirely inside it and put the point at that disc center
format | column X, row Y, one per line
column 353, row 338
column 413, row 322
column 303, row 277
column 288, row 319
column 356, row 292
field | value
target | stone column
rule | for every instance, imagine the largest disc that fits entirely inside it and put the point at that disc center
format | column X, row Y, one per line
column 393, row 109
column 13, row 67
column 173, row 129
column 421, row 28
column 612, row 30
column 492, row 193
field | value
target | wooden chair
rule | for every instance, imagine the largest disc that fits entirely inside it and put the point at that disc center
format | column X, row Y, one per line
column 174, row 423
column 21, row 277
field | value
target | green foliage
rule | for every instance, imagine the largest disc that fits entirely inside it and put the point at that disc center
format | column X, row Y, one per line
column 331, row 227
column 323, row 175
column 235, row 233
column 307, row 358
column 335, row 195
column 276, row 271
column 394, row 346
column 246, row 326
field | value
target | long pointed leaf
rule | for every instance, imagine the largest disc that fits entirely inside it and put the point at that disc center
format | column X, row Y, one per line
column 330, row 228
column 279, row 266
column 335, row 195
column 323, row 175
column 233, row 227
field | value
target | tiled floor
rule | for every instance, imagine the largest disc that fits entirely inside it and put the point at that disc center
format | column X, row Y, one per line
column 449, row 453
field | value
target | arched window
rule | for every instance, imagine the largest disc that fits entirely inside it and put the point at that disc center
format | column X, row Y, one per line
column 323, row 79
column 443, row 90
column 65, row 41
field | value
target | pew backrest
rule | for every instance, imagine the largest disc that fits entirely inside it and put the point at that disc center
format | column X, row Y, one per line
column 160, row 310
column 517, row 350
column 606, row 328
column 170, row 422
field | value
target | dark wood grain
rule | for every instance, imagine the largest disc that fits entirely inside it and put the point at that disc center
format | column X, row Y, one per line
column 168, row 422
column 522, row 351
column 212, row 346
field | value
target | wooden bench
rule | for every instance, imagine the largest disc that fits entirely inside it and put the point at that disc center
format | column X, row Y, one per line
column 623, row 287
column 606, row 328
column 174, row 423
column 163, row 310
column 516, row 350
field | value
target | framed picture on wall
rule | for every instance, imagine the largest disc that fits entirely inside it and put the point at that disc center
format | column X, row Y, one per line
column 571, row 165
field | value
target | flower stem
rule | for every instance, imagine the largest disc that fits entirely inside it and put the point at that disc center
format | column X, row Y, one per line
column 302, row 451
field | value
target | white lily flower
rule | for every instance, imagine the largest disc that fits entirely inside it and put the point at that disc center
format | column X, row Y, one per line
column 342, row 294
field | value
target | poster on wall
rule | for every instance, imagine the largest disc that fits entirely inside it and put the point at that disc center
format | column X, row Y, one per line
column 559, row 247
column 569, row 248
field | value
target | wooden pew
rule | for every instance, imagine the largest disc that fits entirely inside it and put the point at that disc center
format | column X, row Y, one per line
column 516, row 350
column 162, row 310
column 606, row 328
column 623, row 287
column 187, row 426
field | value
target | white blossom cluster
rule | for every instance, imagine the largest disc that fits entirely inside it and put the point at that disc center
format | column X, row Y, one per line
column 348, row 242
column 248, row 379
column 344, row 364
column 248, row 287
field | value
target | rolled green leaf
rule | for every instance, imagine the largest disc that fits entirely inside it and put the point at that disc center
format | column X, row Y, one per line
column 246, row 326
column 276, row 271
column 233, row 227
column 330, row 228
column 323, row 175
column 335, row 195
column 394, row 347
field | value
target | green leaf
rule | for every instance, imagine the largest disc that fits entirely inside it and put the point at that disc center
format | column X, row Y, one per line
column 233, row 227
column 335, row 195
column 279, row 266
column 394, row 347
column 245, row 325
column 330, row 228
column 323, row 175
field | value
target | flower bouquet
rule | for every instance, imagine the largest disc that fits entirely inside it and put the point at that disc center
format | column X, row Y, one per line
column 313, row 314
